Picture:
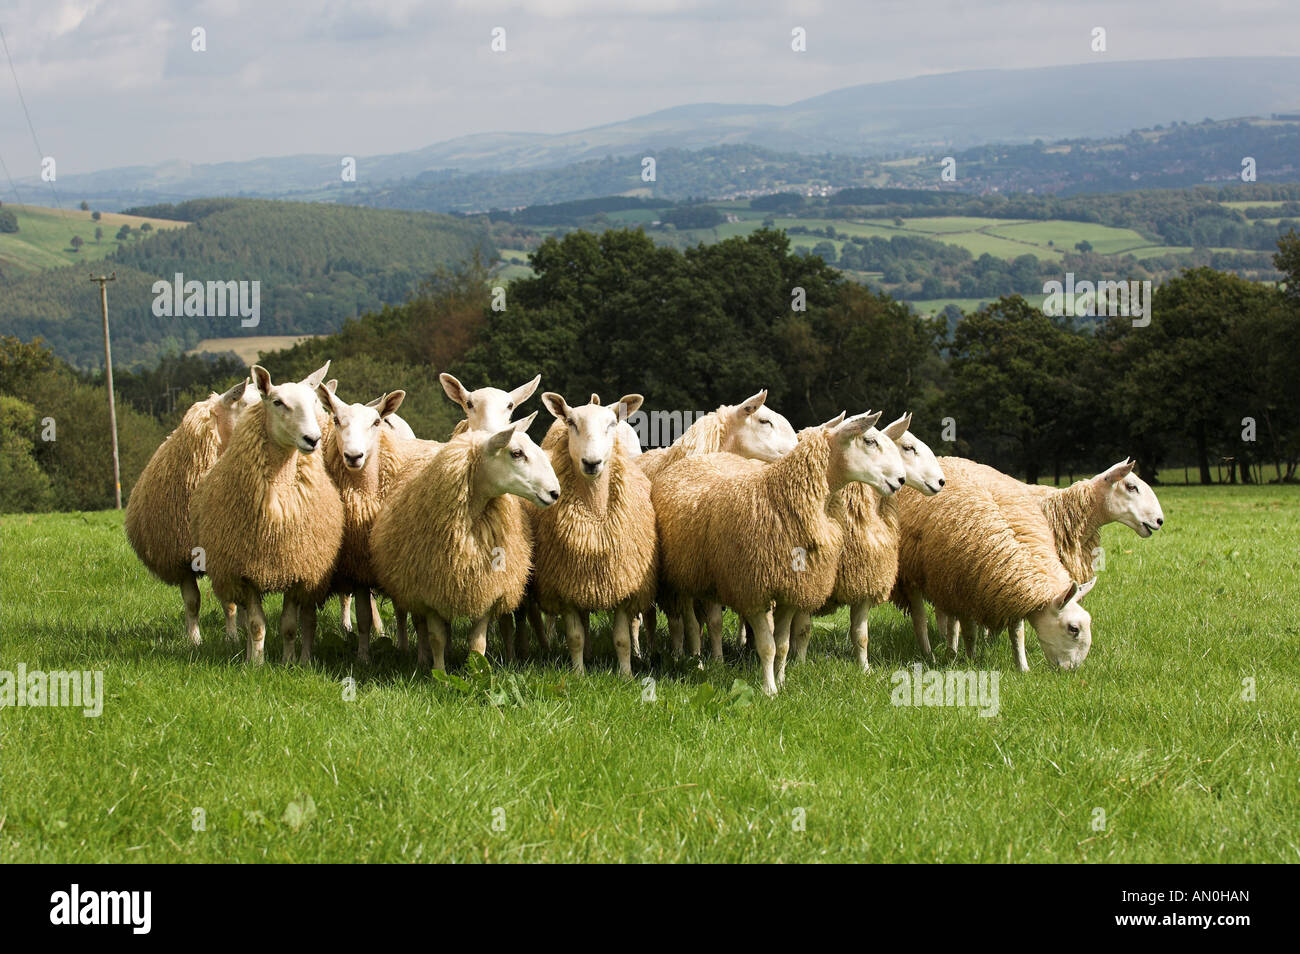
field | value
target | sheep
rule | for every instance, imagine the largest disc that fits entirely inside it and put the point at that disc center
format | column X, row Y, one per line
column 988, row 561
column 760, row 539
column 453, row 539
column 157, row 513
column 267, row 516
column 1075, row 515
column 749, row 429
column 486, row 409
column 596, row 548
column 869, row 562
column 366, row 460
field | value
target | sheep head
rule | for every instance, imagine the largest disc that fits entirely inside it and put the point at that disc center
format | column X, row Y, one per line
column 487, row 409
column 1129, row 499
column 922, row 467
column 1064, row 627
column 291, row 408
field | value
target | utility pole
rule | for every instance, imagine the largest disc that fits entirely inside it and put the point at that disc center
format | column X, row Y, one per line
column 108, row 374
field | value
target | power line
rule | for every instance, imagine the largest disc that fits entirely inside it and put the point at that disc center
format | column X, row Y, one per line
column 13, row 185
column 40, row 153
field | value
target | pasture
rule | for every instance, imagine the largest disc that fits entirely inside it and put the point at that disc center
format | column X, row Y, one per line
column 43, row 236
column 1158, row 730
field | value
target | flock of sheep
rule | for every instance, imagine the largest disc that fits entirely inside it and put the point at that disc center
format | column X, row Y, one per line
column 286, row 488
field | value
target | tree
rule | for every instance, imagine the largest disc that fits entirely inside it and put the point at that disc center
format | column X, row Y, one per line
column 1085, row 246
column 77, row 242
column 99, row 234
column 825, row 250
column 1287, row 261
column 8, row 221
column 124, row 233
column 96, row 215
column 85, row 206
column 146, row 227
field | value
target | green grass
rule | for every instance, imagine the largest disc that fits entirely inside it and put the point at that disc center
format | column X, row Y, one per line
column 43, row 236
column 1153, row 730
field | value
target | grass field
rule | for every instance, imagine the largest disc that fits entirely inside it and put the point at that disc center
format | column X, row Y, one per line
column 43, row 236
column 1153, row 731
column 249, row 348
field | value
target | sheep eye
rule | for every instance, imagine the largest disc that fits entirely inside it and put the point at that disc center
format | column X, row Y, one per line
column 510, row 405
column 1074, row 630
column 1131, row 488
column 870, row 441
column 769, row 423
column 469, row 405
column 909, row 449
column 376, row 422
column 517, row 454
column 278, row 403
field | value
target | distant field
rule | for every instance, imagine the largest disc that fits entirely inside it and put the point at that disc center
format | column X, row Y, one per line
column 1065, row 235
column 250, row 348
column 1265, row 203
column 43, row 236
column 933, row 306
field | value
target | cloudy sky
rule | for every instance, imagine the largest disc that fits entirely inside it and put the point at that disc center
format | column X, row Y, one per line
column 115, row 82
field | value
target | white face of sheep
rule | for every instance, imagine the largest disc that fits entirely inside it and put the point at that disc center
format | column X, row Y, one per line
column 868, row 455
column 593, row 429
column 1130, row 500
column 922, row 467
column 513, row 464
column 291, row 408
column 1064, row 627
column 232, row 406
column 488, row 409
column 357, row 426
column 758, row 432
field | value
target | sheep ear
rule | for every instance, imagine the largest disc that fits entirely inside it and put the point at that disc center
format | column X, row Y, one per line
column 595, row 398
column 834, row 422
column 455, row 390
column 524, row 423
column 1117, row 471
column 500, row 440
column 896, row 429
column 857, row 425
column 628, row 405
column 1066, row 598
column 1083, row 590
column 328, row 398
column 556, row 405
column 262, row 379
column 235, row 394
column 317, row 376
column 522, row 393
column 752, row 404
column 391, row 402
column 332, row 384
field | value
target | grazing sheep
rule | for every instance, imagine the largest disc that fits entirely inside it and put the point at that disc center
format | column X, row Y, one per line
column 988, row 561
column 595, row 549
column 1075, row 515
column 157, row 513
column 760, row 539
column 869, row 562
column 267, row 515
column 749, row 429
column 453, row 541
column 366, row 460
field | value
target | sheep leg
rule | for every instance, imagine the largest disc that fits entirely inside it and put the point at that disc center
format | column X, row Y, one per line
column 234, row 617
column 782, row 619
column 586, row 636
column 506, row 627
column 521, row 634
column 968, row 636
column 376, row 621
column 742, row 633
column 714, row 622
column 307, row 627
column 1017, row 633
column 256, row 630
column 402, row 643
column 800, row 633
column 940, row 620
column 345, row 611
column 623, row 642
column 952, row 633
column 537, row 624
column 859, row 617
column 649, row 621
column 635, row 626
column 692, row 629
column 367, row 613
column 288, row 627
column 436, row 638
column 575, row 635
column 478, row 636
column 190, row 595
column 675, row 634
column 916, row 607
column 423, row 655
column 765, row 644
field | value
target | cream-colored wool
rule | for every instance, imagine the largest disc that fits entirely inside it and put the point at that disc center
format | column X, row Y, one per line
column 157, row 513
column 1075, row 514
column 748, row 535
column 707, row 435
column 976, row 557
column 869, row 561
column 268, row 518
column 364, row 494
column 596, row 547
column 432, row 553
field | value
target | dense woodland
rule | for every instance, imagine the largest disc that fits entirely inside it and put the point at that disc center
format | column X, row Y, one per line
column 1215, row 375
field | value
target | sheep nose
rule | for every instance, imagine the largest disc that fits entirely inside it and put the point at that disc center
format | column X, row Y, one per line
column 310, row 441
column 555, row 494
column 942, row 481
column 353, row 458
column 590, row 466
column 1160, row 521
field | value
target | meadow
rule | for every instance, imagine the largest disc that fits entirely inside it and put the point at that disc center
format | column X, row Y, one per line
column 44, row 236
column 1178, row 741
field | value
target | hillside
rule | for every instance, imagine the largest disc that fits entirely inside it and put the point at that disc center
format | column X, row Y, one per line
column 316, row 266
column 44, row 237
column 918, row 116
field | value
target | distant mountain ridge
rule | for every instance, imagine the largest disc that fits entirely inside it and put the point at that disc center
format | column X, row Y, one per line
column 948, row 110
